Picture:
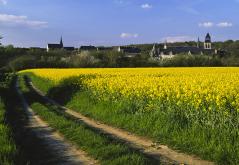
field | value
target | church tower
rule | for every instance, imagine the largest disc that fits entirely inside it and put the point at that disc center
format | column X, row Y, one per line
column 208, row 42
column 61, row 43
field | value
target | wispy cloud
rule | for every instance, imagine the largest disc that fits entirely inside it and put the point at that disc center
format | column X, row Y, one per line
column 4, row 2
column 146, row 6
column 14, row 20
column 129, row 35
column 224, row 24
column 212, row 24
column 172, row 39
column 206, row 24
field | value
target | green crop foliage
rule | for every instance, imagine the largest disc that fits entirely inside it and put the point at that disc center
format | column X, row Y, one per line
column 7, row 146
column 196, row 122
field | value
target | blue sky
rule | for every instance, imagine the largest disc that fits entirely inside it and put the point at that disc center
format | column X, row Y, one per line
column 27, row 23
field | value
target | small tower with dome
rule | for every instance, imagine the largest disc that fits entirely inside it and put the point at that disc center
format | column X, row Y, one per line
column 208, row 42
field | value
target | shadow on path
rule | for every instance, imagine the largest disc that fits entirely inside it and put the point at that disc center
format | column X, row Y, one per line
column 31, row 150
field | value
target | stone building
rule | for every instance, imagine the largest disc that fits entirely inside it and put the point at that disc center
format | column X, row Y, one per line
column 59, row 46
column 159, row 52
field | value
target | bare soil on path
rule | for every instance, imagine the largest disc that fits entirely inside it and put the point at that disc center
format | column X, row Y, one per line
column 64, row 151
column 147, row 146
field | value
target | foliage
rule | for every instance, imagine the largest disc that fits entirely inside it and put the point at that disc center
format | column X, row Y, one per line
column 101, row 147
column 40, row 58
column 0, row 39
column 194, row 109
column 22, row 62
column 191, row 61
column 83, row 60
column 8, row 150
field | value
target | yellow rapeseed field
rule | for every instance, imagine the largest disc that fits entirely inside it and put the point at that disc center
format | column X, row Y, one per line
column 203, row 88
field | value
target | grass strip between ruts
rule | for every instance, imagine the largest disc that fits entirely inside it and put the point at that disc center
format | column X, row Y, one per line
column 99, row 146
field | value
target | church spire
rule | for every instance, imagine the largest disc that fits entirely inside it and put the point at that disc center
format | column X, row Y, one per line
column 61, row 43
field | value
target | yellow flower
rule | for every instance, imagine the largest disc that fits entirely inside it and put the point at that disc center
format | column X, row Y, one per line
column 198, row 87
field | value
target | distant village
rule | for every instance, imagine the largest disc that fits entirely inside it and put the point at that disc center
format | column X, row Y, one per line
column 158, row 51
column 129, row 51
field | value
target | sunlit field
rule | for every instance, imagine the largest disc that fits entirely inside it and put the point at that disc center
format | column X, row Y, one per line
column 193, row 109
column 203, row 89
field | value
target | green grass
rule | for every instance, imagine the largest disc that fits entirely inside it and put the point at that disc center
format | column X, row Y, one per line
column 7, row 147
column 42, row 84
column 99, row 146
column 213, row 137
column 217, row 144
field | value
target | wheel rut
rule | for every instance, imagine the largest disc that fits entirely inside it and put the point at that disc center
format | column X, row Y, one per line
column 147, row 146
column 64, row 151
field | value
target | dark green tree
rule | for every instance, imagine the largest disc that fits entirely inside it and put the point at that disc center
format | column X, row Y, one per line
column 0, row 40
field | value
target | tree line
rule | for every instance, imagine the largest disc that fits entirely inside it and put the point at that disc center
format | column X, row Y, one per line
column 14, row 59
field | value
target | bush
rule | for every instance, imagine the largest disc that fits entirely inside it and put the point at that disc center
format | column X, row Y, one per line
column 191, row 61
column 22, row 62
column 83, row 60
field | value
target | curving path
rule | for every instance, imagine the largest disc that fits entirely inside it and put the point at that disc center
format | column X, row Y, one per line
column 147, row 146
column 65, row 152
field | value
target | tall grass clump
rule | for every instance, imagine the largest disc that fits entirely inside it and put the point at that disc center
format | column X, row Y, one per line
column 7, row 147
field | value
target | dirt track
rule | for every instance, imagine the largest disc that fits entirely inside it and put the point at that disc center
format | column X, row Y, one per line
column 147, row 146
column 65, row 152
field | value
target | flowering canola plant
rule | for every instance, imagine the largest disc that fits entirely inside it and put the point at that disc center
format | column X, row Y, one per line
column 205, row 89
